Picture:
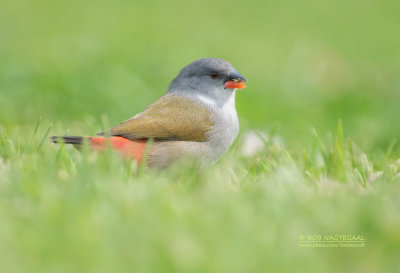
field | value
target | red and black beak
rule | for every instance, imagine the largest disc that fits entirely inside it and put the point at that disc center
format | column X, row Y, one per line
column 235, row 81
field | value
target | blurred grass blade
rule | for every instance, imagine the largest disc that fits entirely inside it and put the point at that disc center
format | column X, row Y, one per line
column 340, row 151
column 390, row 149
column 45, row 137
column 36, row 127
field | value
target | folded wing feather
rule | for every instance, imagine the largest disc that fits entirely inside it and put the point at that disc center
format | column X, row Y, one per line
column 170, row 118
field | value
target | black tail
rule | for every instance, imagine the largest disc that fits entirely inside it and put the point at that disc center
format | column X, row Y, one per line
column 76, row 140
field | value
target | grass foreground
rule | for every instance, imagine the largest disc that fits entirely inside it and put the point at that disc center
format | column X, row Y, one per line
column 66, row 211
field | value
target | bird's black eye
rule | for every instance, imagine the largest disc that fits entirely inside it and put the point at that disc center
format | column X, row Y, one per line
column 214, row 75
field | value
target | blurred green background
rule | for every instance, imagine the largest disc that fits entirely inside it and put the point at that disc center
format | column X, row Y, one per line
column 308, row 62
column 82, row 65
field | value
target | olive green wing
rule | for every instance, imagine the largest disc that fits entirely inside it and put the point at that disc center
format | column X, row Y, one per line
column 172, row 117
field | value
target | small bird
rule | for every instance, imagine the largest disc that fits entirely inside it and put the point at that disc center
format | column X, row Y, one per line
column 196, row 119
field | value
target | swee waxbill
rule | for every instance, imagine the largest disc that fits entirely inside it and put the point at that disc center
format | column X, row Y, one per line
column 195, row 119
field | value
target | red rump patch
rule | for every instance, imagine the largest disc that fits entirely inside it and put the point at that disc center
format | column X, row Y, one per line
column 130, row 148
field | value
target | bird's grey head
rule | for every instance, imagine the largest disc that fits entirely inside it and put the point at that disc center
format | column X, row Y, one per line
column 206, row 75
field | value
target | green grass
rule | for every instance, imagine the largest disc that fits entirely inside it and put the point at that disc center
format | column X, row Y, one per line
column 323, row 88
column 65, row 211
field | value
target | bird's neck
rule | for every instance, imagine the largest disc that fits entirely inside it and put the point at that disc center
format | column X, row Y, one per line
column 215, row 97
column 219, row 97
